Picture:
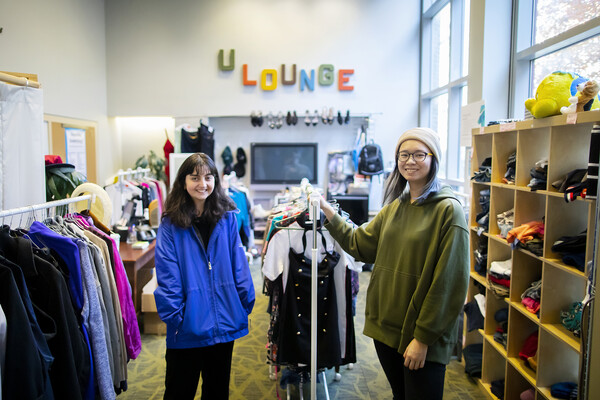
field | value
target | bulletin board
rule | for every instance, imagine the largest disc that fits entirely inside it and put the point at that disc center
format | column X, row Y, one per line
column 57, row 144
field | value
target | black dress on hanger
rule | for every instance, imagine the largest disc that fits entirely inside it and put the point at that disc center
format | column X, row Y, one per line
column 294, row 346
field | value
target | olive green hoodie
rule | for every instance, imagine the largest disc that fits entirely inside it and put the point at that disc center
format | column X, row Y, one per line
column 420, row 257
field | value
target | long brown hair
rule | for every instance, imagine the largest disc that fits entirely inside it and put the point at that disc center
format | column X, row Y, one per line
column 180, row 207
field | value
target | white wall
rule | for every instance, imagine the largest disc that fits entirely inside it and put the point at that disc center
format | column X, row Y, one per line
column 64, row 42
column 154, row 58
column 162, row 61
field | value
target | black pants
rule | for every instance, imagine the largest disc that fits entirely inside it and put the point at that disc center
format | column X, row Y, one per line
column 426, row 383
column 184, row 367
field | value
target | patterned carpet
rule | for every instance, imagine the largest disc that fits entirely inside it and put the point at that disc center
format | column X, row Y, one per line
column 250, row 372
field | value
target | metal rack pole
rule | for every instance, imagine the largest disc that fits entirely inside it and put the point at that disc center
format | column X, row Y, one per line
column 313, row 303
column 50, row 204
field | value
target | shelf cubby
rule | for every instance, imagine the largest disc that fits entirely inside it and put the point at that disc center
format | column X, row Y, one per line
column 576, row 213
column 569, row 150
column 557, row 361
column 532, row 146
column 529, row 206
column 502, row 199
column 482, row 149
column 494, row 366
column 501, row 150
column 515, row 384
column 525, row 270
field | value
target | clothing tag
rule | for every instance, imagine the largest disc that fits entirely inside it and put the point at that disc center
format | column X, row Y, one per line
column 572, row 118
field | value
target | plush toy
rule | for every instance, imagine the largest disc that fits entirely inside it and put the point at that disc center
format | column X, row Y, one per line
column 587, row 96
column 554, row 92
column 584, row 98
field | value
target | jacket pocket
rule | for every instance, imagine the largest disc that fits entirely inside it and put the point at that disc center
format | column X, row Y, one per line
column 232, row 315
column 198, row 320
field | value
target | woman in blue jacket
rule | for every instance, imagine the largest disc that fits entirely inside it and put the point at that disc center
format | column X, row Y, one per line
column 205, row 291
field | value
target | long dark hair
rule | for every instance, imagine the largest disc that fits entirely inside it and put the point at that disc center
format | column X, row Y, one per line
column 180, row 207
column 396, row 183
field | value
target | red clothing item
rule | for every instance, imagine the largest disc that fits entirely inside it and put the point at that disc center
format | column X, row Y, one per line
column 529, row 348
column 168, row 149
column 503, row 282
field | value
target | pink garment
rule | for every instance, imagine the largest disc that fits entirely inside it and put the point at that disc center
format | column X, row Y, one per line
column 529, row 394
column 531, row 304
column 160, row 197
column 131, row 330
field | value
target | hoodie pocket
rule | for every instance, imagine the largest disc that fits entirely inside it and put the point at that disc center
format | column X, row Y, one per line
column 388, row 296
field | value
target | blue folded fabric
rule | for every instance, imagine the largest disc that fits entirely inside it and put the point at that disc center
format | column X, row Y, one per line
column 562, row 390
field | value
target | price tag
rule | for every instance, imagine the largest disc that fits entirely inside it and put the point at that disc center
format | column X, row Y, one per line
column 511, row 126
column 572, row 118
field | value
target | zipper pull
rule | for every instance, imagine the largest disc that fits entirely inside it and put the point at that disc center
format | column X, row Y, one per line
column 209, row 266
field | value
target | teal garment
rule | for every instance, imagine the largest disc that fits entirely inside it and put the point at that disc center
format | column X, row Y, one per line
column 420, row 257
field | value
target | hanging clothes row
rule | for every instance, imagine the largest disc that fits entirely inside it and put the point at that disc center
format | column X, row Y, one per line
column 240, row 195
column 66, row 310
column 287, row 271
column 133, row 185
column 195, row 140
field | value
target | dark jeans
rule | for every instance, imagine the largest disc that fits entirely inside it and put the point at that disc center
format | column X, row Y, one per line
column 426, row 383
column 184, row 367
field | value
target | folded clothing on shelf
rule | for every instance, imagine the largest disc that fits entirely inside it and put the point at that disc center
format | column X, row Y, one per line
column 485, row 171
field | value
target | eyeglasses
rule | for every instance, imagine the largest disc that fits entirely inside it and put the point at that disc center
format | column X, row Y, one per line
column 418, row 156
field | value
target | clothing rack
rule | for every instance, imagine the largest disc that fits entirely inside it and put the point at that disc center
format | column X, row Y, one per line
column 51, row 204
column 19, row 81
column 314, row 214
column 132, row 172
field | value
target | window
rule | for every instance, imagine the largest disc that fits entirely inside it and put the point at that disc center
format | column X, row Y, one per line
column 553, row 35
column 444, row 69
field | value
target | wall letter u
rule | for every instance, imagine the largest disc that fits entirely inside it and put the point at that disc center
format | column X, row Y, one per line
column 231, row 65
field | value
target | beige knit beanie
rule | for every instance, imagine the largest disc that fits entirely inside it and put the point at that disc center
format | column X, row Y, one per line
column 424, row 135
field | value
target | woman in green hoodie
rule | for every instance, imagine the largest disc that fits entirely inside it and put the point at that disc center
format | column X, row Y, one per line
column 418, row 245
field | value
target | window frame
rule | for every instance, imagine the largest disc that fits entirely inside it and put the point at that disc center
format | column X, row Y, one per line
column 454, row 86
column 524, row 52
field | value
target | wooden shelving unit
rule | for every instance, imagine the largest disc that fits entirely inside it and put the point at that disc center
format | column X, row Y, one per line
column 565, row 143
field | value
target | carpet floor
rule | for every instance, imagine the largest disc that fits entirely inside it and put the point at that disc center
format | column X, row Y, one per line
column 250, row 375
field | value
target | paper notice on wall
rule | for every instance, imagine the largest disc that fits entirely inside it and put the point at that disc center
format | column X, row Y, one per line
column 471, row 116
column 75, row 149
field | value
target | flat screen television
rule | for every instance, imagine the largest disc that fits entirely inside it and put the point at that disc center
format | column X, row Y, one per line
column 283, row 163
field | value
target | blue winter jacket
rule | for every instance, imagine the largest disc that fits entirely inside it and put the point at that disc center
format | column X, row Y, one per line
column 204, row 295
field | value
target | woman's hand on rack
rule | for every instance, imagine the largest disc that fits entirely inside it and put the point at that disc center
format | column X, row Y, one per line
column 323, row 204
column 414, row 355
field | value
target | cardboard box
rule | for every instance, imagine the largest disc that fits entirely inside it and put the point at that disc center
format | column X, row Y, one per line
column 153, row 324
column 148, row 303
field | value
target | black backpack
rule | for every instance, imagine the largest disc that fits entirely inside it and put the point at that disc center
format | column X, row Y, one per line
column 370, row 160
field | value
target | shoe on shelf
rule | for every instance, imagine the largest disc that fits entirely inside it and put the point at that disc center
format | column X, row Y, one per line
column 294, row 118
column 339, row 118
column 324, row 115
column 288, row 118
column 347, row 119
column 330, row 117
column 253, row 118
column 271, row 120
column 279, row 120
column 259, row 119
column 307, row 119
column 315, row 119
